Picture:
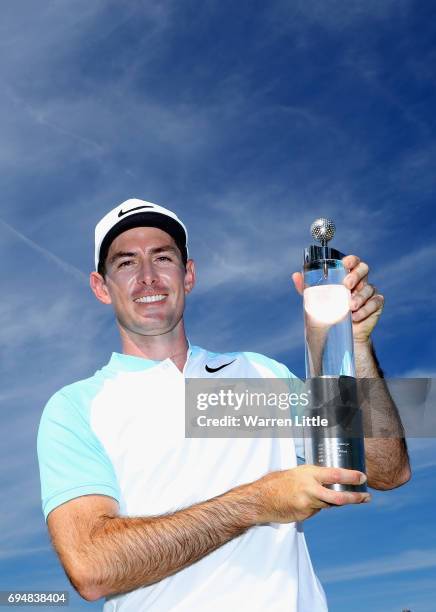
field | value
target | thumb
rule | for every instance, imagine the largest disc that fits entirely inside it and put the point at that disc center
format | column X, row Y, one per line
column 297, row 277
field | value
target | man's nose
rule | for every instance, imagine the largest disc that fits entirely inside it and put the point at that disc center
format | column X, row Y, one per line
column 147, row 273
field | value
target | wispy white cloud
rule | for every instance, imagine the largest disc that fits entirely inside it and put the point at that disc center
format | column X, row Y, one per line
column 407, row 561
column 21, row 522
column 424, row 465
column 14, row 552
column 258, row 238
column 397, row 273
column 336, row 15
column 386, row 595
column 423, row 453
column 71, row 270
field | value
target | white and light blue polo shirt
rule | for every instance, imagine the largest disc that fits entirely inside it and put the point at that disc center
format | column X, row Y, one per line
column 121, row 433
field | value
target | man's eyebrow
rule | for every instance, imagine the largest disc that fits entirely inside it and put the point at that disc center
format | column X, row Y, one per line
column 164, row 248
column 161, row 249
column 120, row 254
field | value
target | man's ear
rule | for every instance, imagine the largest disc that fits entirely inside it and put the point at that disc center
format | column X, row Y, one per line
column 99, row 288
column 189, row 276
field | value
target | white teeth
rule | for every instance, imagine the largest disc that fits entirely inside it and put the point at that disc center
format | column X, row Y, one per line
column 150, row 298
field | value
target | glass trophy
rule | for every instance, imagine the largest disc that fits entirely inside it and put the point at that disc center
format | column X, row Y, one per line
column 330, row 369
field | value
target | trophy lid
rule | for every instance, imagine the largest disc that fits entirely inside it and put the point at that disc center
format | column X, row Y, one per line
column 322, row 231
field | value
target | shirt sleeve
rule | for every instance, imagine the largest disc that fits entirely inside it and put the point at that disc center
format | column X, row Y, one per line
column 72, row 460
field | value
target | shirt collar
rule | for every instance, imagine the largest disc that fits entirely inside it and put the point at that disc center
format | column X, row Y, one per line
column 132, row 363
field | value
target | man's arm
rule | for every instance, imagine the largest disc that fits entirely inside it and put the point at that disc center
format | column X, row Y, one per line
column 387, row 461
column 104, row 553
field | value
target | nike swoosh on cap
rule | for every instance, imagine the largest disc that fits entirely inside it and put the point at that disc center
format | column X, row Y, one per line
column 124, row 212
column 211, row 370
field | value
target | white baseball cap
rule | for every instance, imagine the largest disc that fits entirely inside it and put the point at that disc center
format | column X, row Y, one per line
column 137, row 213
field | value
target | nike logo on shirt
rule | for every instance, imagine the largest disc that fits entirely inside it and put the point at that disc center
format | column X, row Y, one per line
column 211, row 370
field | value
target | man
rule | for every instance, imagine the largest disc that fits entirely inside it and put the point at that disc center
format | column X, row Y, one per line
column 154, row 521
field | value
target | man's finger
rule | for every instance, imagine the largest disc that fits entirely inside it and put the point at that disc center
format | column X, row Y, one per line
column 340, row 498
column 327, row 475
column 371, row 306
column 356, row 275
column 350, row 261
column 359, row 298
column 361, row 285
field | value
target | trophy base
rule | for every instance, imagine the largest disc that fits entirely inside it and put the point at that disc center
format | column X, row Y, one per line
column 347, row 453
column 341, row 443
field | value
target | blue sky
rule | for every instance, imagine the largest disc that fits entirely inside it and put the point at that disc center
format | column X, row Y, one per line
column 249, row 119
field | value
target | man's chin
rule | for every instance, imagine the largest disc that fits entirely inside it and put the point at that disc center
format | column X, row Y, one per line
column 150, row 328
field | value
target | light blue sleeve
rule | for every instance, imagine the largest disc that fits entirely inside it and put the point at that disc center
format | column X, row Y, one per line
column 72, row 461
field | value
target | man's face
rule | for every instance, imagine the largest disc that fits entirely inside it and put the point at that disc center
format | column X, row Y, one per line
column 146, row 281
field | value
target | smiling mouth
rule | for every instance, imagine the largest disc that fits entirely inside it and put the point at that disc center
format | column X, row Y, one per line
column 149, row 299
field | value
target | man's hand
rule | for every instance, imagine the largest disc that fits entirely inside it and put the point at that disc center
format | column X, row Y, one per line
column 366, row 304
column 298, row 493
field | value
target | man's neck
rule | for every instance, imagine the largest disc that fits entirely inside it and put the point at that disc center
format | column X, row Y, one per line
column 157, row 348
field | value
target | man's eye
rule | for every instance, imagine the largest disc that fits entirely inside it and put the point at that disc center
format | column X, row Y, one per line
column 164, row 258
column 125, row 263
